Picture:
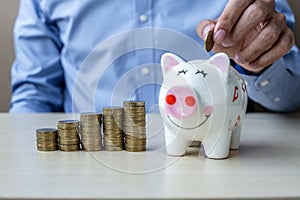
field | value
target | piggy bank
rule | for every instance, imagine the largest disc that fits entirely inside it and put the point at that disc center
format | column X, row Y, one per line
column 202, row 100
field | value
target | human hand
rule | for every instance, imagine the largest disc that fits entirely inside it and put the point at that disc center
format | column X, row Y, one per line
column 252, row 33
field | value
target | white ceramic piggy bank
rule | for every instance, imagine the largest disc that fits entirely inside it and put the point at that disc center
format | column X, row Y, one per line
column 202, row 100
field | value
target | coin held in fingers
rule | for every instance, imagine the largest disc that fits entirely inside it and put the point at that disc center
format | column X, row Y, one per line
column 209, row 41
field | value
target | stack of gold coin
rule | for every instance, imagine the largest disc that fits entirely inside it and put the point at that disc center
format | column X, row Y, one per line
column 46, row 139
column 134, row 126
column 68, row 137
column 113, row 138
column 90, row 131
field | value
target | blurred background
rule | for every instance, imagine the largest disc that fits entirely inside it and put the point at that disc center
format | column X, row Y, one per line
column 8, row 12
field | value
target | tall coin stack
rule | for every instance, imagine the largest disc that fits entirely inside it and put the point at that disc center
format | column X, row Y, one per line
column 90, row 131
column 113, row 138
column 46, row 139
column 134, row 126
column 68, row 136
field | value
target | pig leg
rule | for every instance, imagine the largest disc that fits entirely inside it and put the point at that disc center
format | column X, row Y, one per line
column 235, row 138
column 216, row 145
column 176, row 144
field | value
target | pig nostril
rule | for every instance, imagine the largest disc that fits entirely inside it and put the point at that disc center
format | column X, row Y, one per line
column 190, row 101
column 170, row 99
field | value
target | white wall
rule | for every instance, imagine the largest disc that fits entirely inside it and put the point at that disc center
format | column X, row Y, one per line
column 8, row 11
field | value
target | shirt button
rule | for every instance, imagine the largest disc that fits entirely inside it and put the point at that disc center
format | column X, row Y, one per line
column 145, row 71
column 143, row 18
column 264, row 83
column 276, row 99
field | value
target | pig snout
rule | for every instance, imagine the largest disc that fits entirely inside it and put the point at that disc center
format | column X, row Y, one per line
column 181, row 102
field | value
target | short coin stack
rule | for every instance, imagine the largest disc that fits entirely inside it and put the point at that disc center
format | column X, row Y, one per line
column 90, row 131
column 46, row 139
column 113, row 128
column 68, row 136
column 134, row 126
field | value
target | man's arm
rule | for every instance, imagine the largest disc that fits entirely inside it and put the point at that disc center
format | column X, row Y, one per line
column 37, row 74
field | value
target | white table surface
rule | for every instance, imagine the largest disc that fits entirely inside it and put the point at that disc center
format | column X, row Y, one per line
column 267, row 165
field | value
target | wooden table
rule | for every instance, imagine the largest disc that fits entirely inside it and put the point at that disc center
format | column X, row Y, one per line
column 267, row 165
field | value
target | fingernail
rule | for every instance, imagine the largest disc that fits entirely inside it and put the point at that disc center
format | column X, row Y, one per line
column 219, row 36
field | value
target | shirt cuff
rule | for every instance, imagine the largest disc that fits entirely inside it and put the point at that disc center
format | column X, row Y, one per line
column 275, row 88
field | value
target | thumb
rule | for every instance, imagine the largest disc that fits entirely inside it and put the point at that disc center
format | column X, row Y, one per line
column 204, row 27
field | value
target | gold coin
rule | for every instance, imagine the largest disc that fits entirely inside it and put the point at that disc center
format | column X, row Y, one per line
column 135, row 149
column 133, row 103
column 112, row 111
column 46, row 132
column 113, row 148
column 90, row 129
column 68, row 124
column 135, row 136
column 118, row 144
column 71, row 147
column 42, row 148
column 91, row 140
column 92, row 149
column 69, row 141
column 68, row 135
column 46, row 144
column 112, row 126
column 209, row 41
column 134, row 109
column 136, row 130
column 90, row 115
column 39, row 140
column 113, row 136
column 113, row 140
column 47, row 137
column 135, row 139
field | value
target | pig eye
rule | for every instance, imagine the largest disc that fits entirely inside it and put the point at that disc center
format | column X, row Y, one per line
column 201, row 73
column 190, row 101
column 170, row 99
column 182, row 72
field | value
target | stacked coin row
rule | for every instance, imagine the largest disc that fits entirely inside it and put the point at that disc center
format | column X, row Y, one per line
column 113, row 139
column 46, row 139
column 129, row 119
column 68, row 135
column 134, row 126
column 90, row 131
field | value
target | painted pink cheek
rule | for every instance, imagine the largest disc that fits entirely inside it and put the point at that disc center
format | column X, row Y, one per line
column 208, row 110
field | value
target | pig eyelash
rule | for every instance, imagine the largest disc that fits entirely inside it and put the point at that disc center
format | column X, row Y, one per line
column 182, row 72
column 201, row 72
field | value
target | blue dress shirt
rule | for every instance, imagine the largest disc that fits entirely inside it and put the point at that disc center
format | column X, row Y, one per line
column 83, row 55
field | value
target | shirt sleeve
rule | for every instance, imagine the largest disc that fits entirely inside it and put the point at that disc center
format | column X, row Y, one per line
column 277, row 88
column 37, row 74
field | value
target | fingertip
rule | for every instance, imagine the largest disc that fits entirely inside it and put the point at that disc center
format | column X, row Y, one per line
column 204, row 26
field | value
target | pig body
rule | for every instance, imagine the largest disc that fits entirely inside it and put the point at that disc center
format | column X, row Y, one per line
column 202, row 100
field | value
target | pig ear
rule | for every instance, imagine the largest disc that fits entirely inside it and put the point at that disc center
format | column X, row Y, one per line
column 221, row 62
column 169, row 60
